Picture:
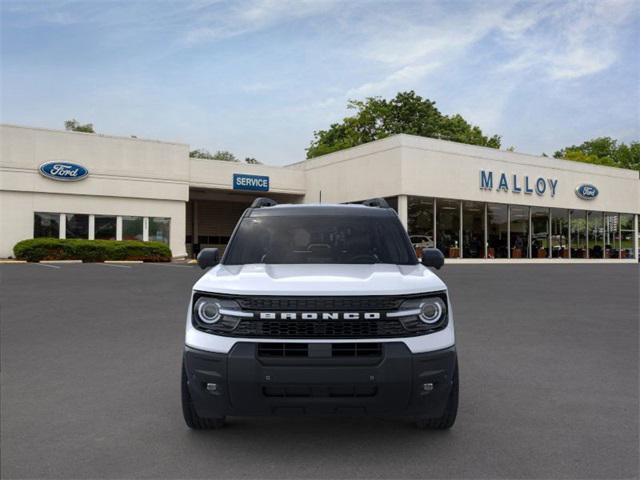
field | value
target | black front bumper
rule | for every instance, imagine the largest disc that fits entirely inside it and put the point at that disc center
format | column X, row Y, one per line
column 394, row 383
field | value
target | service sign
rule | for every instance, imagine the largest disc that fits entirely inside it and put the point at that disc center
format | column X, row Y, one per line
column 586, row 191
column 63, row 171
column 254, row 183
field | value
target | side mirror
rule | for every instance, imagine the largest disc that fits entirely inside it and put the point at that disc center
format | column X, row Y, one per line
column 208, row 257
column 432, row 257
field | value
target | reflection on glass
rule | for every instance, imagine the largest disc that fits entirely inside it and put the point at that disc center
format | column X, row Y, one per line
column 420, row 222
column 519, row 231
column 497, row 228
column 448, row 227
column 46, row 225
column 77, row 226
column 104, row 227
column 596, row 235
column 132, row 228
column 611, row 235
column 539, row 232
column 559, row 233
column 472, row 230
column 578, row 234
column 159, row 229
column 626, row 236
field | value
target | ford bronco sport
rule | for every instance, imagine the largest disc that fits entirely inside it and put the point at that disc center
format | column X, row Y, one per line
column 316, row 310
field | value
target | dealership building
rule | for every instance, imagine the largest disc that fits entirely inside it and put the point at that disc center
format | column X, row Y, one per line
column 471, row 202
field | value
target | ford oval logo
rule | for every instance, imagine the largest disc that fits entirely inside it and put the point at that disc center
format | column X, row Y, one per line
column 64, row 171
column 586, row 191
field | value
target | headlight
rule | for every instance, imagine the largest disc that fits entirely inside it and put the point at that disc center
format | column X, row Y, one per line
column 423, row 314
column 207, row 310
column 431, row 310
column 216, row 314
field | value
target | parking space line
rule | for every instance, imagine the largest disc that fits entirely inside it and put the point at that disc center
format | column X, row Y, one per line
column 47, row 265
column 113, row 265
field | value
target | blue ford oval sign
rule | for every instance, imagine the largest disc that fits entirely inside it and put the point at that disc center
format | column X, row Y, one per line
column 63, row 171
column 586, row 191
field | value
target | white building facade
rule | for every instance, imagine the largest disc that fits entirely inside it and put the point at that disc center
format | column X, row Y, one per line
column 470, row 202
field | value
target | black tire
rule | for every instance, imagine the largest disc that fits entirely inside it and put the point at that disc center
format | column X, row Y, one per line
column 191, row 417
column 448, row 417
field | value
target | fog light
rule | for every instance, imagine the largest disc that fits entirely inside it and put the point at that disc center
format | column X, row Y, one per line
column 212, row 387
column 427, row 387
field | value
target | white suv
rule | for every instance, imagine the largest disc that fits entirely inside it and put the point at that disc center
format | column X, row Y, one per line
column 320, row 309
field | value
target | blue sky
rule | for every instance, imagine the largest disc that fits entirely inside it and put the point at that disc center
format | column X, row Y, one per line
column 258, row 77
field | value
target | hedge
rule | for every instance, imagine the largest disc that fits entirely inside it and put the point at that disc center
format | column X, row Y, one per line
column 36, row 249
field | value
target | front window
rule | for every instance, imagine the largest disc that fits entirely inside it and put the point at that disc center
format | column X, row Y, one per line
column 299, row 239
column 46, row 225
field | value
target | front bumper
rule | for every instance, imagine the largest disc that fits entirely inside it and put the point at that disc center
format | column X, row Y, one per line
column 245, row 383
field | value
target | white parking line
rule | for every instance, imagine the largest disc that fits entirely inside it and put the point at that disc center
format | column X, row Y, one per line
column 47, row 265
column 113, row 265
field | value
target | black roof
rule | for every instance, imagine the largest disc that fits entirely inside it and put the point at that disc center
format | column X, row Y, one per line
column 354, row 210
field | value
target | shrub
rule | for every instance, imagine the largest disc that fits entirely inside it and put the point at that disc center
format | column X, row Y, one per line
column 36, row 249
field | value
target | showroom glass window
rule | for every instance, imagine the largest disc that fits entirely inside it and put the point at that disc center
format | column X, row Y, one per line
column 539, row 232
column 626, row 237
column 77, row 226
column 46, row 225
column 448, row 227
column 132, row 228
column 596, row 235
column 159, row 229
column 420, row 222
column 472, row 230
column 559, row 233
column 519, row 231
column 497, row 230
column 611, row 235
column 578, row 234
column 105, row 227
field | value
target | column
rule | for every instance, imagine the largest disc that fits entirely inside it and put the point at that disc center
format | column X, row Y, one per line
column 92, row 227
column 145, row 229
column 63, row 225
column 118, row 228
column 403, row 210
column 635, row 237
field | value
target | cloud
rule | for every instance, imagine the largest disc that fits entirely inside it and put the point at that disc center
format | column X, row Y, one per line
column 565, row 41
column 399, row 79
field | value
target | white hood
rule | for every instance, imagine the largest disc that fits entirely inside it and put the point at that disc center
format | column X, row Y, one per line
column 319, row 279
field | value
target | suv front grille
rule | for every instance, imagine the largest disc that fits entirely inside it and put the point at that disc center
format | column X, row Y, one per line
column 319, row 304
column 340, row 317
column 321, row 329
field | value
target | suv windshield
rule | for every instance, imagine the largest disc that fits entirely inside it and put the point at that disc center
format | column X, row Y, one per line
column 346, row 239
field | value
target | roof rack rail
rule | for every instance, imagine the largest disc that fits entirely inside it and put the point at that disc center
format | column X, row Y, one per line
column 263, row 202
column 376, row 202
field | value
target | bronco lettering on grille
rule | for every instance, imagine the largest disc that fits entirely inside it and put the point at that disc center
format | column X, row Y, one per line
column 319, row 316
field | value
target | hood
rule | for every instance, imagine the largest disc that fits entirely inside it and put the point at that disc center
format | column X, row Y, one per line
column 319, row 279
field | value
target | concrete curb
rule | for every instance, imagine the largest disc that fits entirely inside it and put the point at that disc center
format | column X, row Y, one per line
column 123, row 261
column 9, row 262
column 60, row 261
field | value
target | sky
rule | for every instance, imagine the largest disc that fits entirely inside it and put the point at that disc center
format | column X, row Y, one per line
column 258, row 77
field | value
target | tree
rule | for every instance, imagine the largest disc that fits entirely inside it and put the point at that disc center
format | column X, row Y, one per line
column 75, row 126
column 219, row 155
column 252, row 161
column 377, row 118
column 604, row 151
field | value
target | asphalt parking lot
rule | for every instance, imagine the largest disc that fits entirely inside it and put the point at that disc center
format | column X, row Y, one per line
column 90, row 369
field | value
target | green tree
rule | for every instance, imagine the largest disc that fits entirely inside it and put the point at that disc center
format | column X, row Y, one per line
column 219, row 155
column 377, row 118
column 252, row 161
column 604, row 151
column 74, row 126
